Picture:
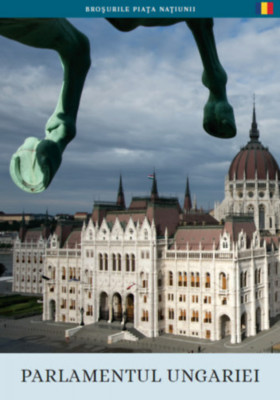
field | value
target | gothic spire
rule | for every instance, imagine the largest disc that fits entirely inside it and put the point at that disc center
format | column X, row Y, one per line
column 120, row 198
column 154, row 191
column 254, row 132
column 188, row 199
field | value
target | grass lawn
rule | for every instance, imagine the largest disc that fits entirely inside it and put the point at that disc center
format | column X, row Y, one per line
column 19, row 306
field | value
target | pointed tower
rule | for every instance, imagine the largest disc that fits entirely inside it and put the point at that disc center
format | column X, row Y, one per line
column 120, row 198
column 154, row 191
column 254, row 132
column 188, row 199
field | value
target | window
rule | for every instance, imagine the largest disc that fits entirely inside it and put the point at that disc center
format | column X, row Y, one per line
column 208, row 317
column 63, row 303
column 72, row 304
column 194, row 299
column 223, row 281
column 170, row 281
column 145, row 315
column 257, row 276
column 127, row 265
column 89, row 310
column 207, row 300
column 119, row 262
column 185, row 279
column 106, row 262
column 195, row 316
column 180, row 279
column 114, row 262
column 182, row 298
column 132, row 262
column 192, row 280
column 100, row 257
column 197, row 280
column 207, row 281
column 243, row 279
column 171, row 313
column 182, row 315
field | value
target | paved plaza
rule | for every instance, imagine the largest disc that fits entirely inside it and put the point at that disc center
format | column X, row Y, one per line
column 32, row 335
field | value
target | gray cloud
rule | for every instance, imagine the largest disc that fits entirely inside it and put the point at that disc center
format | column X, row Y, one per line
column 141, row 109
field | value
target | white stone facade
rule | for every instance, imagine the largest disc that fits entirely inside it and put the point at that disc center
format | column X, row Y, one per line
column 129, row 274
column 28, row 266
column 260, row 198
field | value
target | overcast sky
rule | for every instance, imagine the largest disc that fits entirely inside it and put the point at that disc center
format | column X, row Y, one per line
column 141, row 110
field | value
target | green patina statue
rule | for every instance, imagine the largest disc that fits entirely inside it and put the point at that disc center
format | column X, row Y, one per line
column 35, row 163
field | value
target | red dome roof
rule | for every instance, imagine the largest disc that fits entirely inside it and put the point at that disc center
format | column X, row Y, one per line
column 253, row 159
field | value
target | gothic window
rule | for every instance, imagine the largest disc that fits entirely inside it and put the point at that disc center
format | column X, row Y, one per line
column 106, row 262
column 170, row 280
column 223, row 281
column 100, row 257
column 192, row 280
column 114, row 262
column 132, row 262
column 180, row 279
column 119, row 262
column 207, row 281
column 127, row 266
column 197, row 280
column 185, row 279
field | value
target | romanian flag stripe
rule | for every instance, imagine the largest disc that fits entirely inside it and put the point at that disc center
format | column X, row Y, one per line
column 264, row 8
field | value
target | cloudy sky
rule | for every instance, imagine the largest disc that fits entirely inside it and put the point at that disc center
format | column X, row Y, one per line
column 141, row 110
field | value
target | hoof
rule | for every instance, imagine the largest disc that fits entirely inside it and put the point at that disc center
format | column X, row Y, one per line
column 34, row 164
column 219, row 120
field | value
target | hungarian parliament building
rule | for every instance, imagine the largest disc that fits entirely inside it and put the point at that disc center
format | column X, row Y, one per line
column 162, row 267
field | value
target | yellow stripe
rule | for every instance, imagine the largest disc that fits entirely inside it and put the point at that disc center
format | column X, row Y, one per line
column 264, row 8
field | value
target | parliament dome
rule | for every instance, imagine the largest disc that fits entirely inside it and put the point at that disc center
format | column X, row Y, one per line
column 254, row 160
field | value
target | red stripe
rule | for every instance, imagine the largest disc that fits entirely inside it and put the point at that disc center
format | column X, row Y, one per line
column 270, row 8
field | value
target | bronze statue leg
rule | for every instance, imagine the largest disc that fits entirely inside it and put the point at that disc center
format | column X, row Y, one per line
column 35, row 163
column 218, row 113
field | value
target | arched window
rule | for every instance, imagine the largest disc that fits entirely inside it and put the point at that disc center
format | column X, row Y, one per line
column 63, row 275
column 180, row 279
column 170, row 278
column 185, row 279
column 192, row 280
column 127, row 265
column 223, row 281
column 106, row 262
column 100, row 258
column 207, row 280
column 132, row 262
column 119, row 262
column 114, row 262
column 197, row 280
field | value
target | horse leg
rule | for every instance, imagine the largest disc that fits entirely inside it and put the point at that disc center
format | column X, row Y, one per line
column 35, row 163
column 218, row 114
